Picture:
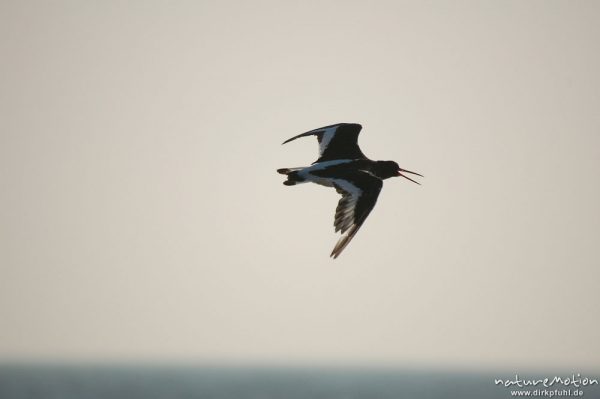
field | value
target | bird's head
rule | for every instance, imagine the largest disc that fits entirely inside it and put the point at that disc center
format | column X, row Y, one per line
column 387, row 169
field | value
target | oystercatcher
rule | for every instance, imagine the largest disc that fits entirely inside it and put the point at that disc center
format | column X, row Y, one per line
column 342, row 165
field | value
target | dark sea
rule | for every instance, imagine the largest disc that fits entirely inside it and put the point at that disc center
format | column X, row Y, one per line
column 18, row 381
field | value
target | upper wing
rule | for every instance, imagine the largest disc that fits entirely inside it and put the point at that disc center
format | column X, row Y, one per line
column 360, row 191
column 339, row 141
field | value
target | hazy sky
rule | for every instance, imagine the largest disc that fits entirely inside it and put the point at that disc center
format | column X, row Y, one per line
column 141, row 216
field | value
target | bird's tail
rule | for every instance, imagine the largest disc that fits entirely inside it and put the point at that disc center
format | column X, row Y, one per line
column 292, row 176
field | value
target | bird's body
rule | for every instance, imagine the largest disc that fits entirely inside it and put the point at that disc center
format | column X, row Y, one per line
column 342, row 165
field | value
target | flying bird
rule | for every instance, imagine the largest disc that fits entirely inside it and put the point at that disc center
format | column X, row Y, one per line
column 342, row 165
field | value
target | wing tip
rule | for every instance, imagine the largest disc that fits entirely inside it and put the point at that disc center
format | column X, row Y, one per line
column 344, row 241
column 320, row 129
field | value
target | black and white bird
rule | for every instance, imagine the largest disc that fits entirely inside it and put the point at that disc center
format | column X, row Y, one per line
column 342, row 165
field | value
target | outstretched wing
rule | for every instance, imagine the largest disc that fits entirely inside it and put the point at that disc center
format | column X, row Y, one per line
column 359, row 191
column 339, row 141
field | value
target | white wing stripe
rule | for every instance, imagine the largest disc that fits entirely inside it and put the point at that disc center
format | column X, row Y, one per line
column 350, row 188
column 326, row 139
column 347, row 216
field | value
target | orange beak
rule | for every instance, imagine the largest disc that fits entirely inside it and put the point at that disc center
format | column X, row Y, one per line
column 406, row 177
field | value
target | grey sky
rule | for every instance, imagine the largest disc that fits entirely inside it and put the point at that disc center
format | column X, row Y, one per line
column 141, row 216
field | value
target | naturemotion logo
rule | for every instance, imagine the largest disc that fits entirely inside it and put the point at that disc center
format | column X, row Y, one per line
column 547, row 386
column 574, row 380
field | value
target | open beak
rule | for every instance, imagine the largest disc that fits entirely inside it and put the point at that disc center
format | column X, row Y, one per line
column 406, row 177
